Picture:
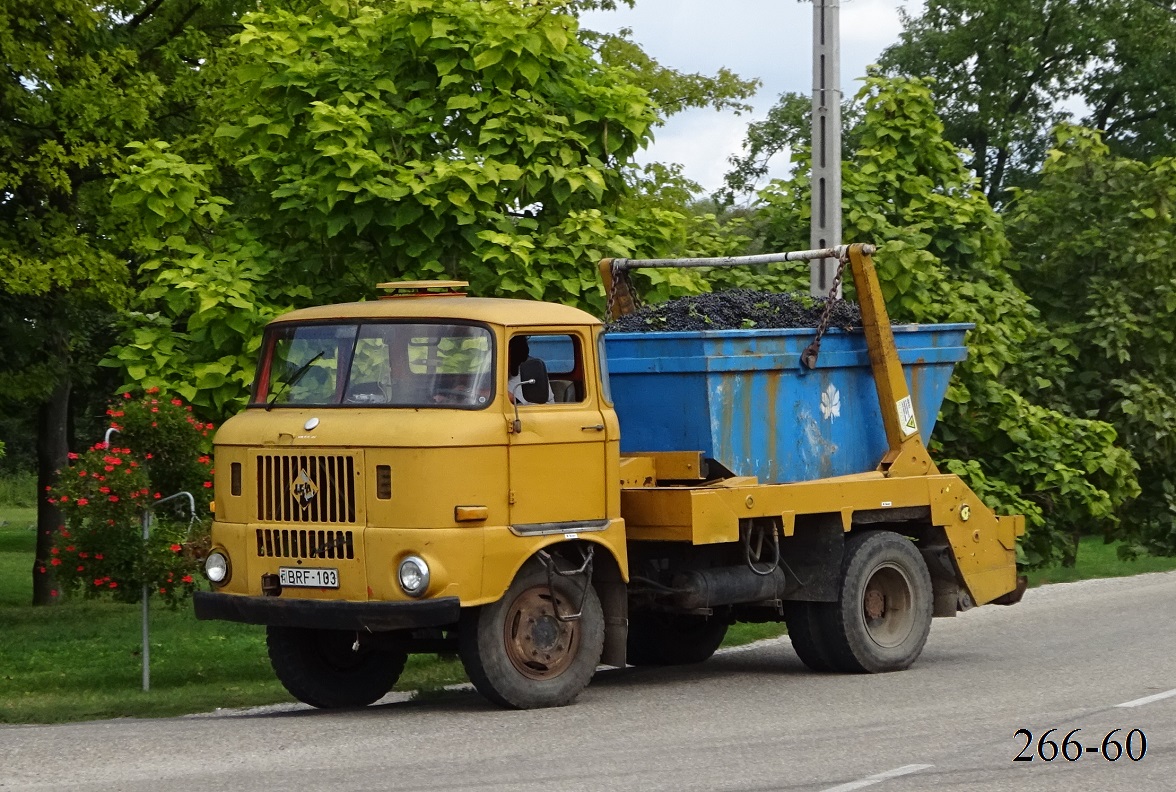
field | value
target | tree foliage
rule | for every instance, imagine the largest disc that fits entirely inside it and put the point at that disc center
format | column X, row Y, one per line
column 1006, row 71
column 81, row 81
column 361, row 142
column 1093, row 239
column 670, row 90
column 786, row 129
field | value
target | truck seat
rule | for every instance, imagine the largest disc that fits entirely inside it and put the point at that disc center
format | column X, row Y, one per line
column 563, row 390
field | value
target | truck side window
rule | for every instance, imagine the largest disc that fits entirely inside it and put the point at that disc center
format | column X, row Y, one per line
column 565, row 365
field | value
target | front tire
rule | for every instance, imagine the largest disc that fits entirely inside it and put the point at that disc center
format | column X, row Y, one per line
column 883, row 616
column 519, row 655
column 320, row 667
column 669, row 639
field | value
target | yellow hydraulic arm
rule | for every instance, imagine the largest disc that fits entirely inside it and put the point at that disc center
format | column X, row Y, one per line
column 906, row 454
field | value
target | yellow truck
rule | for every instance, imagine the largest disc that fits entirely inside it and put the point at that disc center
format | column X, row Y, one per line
column 432, row 472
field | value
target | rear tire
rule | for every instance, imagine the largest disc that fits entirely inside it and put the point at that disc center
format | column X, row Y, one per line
column 806, row 628
column 519, row 655
column 669, row 639
column 883, row 616
column 320, row 668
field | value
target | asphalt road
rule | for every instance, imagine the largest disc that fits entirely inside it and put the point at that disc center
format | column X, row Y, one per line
column 1068, row 657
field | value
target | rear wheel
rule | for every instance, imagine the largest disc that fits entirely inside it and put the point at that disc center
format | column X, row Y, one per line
column 518, row 654
column 667, row 639
column 326, row 668
column 806, row 625
column 883, row 616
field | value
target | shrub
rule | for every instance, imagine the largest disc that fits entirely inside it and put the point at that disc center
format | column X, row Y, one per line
column 106, row 490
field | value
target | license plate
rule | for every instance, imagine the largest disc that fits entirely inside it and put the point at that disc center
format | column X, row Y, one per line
column 309, row 577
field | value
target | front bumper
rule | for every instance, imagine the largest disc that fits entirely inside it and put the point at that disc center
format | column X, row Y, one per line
column 326, row 614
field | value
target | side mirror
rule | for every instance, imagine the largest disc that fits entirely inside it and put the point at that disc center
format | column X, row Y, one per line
column 533, row 380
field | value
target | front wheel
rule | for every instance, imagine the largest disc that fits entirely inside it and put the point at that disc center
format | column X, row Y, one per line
column 883, row 615
column 330, row 668
column 519, row 654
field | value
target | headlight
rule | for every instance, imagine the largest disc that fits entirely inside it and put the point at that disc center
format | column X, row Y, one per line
column 216, row 568
column 414, row 576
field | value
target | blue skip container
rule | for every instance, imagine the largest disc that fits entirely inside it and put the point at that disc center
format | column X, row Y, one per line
column 742, row 398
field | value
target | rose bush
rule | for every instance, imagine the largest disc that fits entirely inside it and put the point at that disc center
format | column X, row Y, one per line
column 103, row 495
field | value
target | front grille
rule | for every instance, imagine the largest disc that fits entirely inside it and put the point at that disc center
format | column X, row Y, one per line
column 306, row 489
column 303, row 543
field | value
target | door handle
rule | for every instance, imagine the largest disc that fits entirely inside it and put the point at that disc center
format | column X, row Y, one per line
column 593, row 428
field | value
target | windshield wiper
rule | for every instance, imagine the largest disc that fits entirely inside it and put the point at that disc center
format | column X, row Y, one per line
column 305, row 367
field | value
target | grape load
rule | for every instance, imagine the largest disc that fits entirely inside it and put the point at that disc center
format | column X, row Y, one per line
column 736, row 309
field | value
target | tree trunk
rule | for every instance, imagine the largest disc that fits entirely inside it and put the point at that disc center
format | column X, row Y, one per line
column 52, row 450
column 1070, row 554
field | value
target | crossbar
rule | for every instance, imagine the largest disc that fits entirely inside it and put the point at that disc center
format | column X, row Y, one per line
column 838, row 252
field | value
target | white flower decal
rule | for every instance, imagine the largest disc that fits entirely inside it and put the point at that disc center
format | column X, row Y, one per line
column 830, row 403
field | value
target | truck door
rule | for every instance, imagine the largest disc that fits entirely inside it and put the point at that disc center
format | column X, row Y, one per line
column 557, row 459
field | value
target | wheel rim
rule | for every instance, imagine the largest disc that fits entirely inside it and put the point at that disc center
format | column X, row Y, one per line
column 539, row 645
column 887, row 606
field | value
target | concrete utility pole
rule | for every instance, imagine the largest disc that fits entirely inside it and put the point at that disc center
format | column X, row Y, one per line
column 826, row 201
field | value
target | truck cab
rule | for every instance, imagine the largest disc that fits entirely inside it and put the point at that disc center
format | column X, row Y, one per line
column 394, row 469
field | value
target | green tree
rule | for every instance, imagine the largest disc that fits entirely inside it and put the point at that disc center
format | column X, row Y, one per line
column 787, row 128
column 82, row 80
column 1093, row 240
column 362, row 142
column 942, row 259
column 1006, row 70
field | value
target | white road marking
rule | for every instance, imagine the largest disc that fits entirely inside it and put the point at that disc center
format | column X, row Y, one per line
column 1148, row 699
column 878, row 779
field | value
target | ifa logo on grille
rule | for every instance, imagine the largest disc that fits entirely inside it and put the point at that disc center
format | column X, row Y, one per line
column 304, row 489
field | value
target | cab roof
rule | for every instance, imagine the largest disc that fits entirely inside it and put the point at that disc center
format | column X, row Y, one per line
column 492, row 310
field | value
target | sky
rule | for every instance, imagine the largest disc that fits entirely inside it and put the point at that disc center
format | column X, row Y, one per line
column 768, row 39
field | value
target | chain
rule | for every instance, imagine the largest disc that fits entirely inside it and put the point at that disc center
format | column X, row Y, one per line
column 808, row 358
column 611, row 297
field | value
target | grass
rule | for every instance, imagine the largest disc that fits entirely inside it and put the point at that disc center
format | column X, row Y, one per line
column 18, row 489
column 80, row 660
column 1097, row 559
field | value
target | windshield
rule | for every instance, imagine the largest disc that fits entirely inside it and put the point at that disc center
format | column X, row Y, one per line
column 377, row 363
